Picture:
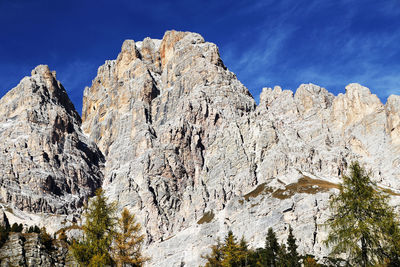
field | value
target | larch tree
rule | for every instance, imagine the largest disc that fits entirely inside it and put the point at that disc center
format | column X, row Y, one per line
column 362, row 225
column 231, row 251
column 214, row 259
column 229, row 254
column 98, row 233
column 128, row 241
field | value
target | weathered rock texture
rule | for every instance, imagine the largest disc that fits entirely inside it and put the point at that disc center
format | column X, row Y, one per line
column 47, row 165
column 187, row 149
column 28, row 250
column 159, row 112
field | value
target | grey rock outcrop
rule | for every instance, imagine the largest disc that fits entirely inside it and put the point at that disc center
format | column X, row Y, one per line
column 47, row 165
column 188, row 151
column 28, row 250
column 155, row 113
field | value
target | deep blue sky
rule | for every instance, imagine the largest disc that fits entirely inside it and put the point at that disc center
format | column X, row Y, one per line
column 266, row 43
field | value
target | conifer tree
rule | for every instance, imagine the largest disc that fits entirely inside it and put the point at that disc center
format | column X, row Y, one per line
column 98, row 233
column 282, row 258
column 309, row 261
column 244, row 253
column 45, row 238
column 128, row 241
column 293, row 258
column 362, row 222
column 17, row 228
column 216, row 256
column 271, row 249
column 34, row 229
column 231, row 251
column 4, row 231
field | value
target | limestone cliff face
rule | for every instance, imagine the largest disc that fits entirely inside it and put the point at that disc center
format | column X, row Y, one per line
column 159, row 112
column 27, row 250
column 46, row 163
column 188, row 151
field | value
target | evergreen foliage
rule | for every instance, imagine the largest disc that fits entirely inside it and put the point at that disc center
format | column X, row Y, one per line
column 17, row 228
column 215, row 258
column 293, row 258
column 309, row 261
column 235, row 254
column 45, row 238
column 34, row 229
column 362, row 224
column 4, row 231
column 229, row 254
column 98, row 233
column 128, row 241
column 271, row 250
column 106, row 240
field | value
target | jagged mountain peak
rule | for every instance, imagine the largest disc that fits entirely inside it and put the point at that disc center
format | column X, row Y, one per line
column 189, row 152
column 47, row 164
column 40, row 91
column 183, row 139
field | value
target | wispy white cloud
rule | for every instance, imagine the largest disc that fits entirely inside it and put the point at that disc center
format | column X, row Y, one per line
column 340, row 51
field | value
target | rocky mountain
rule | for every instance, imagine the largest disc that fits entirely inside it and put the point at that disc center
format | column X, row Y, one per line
column 28, row 250
column 48, row 167
column 187, row 149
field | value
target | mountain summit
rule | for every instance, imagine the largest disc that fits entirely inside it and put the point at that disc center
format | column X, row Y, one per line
column 47, row 163
column 187, row 149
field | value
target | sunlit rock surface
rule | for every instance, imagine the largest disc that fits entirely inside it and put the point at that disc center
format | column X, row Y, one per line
column 187, row 149
column 48, row 167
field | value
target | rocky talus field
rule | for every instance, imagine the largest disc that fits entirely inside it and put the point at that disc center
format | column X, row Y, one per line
column 170, row 133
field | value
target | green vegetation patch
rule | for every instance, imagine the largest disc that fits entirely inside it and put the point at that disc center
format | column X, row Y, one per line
column 305, row 185
column 207, row 217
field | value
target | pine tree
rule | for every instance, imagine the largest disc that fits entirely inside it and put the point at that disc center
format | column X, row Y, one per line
column 282, row 257
column 230, row 251
column 17, row 228
column 128, row 241
column 293, row 257
column 36, row 229
column 362, row 222
column 393, row 256
column 216, row 256
column 45, row 238
column 4, row 231
column 244, row 253
column 309, row 261
column 271, row 250
column 98, row 233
